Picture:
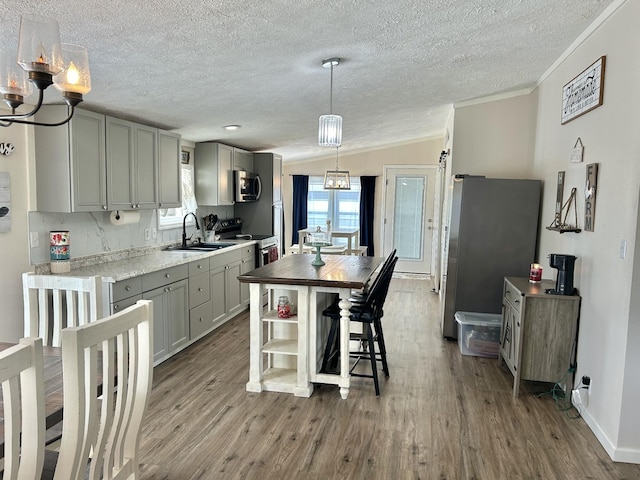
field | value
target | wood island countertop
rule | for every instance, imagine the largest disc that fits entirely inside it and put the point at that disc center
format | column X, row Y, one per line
column 342, row 271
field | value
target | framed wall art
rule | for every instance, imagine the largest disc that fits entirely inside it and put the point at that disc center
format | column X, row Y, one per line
column 583, row 93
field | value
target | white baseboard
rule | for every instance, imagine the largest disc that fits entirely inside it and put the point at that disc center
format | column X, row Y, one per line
column 617, row 454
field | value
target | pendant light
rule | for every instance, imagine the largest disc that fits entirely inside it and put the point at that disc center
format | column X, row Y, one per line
column 43, row 61
column 337, row 179
column 330, row 126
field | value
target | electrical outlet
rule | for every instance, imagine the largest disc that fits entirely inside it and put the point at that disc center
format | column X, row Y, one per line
column 34, row 240
column 147, row 234
column 154, row 232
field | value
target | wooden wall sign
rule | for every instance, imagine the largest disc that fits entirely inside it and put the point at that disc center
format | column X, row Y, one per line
column 590, row 197
column 583, row 93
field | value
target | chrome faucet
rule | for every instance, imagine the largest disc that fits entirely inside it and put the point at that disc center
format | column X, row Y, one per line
column 184, row 227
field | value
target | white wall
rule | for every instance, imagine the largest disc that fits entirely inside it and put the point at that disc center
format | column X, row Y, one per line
column 495, row 138
column 13, row 244
column 609, row 338
column 370, row 162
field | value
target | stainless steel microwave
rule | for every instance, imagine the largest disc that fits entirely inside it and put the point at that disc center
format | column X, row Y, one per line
column 247, row 186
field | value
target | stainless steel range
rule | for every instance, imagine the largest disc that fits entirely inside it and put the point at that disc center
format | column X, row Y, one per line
column 267, row 251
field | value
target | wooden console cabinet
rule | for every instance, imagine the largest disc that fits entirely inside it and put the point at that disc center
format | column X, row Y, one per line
column 538, row 331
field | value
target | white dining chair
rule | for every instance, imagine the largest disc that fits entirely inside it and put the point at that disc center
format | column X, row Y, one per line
column 22, row 378
column 100, row 433
column 53, row 302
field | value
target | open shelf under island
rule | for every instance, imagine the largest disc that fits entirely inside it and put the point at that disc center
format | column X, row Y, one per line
column 286, row 353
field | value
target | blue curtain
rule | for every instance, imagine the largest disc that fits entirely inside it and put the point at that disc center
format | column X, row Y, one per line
column 367, row 198
column 300, row 192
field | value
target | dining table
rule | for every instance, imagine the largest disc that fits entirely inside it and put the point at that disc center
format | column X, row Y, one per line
column 53, row 394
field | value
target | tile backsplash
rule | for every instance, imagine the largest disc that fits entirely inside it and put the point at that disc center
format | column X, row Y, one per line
column 92, row 233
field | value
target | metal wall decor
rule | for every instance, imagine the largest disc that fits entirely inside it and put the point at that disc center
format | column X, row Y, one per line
column 584, row 93
column 559, row 223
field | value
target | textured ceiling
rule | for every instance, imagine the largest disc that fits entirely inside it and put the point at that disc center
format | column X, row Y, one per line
column 195, row 66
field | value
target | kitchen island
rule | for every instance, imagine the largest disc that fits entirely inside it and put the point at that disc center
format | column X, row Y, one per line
column 293, row 346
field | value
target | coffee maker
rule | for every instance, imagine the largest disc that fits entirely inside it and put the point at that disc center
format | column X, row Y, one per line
column 564, row 281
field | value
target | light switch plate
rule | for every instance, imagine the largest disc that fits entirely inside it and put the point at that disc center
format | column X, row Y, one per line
column 623, row 249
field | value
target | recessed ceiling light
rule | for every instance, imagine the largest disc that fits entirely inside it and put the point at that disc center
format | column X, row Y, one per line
column 232, row 127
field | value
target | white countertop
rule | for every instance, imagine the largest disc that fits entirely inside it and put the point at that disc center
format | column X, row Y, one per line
column 152, row 261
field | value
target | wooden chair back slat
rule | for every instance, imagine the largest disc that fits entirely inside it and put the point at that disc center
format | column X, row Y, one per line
column 53, row 302
column 106, row 428
column 22, row 378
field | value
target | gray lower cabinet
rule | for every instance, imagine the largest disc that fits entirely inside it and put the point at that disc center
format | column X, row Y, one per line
column 248, row 264
column 218, row 294
column 200, row 305
column 225, row 287
column 189, row 300
column 169, row 291
column 226, row 290
column 234, row 303
column 124, row 294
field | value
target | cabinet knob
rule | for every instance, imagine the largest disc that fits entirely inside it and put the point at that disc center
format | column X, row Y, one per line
column 128, row 288
column 104, row 207
column 116, row 308
column 169, row 289
column 200, row 289
column 167, row 275
column 201, row 319
column 199, row 266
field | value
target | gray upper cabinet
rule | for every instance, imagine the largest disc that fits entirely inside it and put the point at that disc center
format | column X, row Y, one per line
column 242, row 160
column 70, row 161
column 214, row 174
column 96, row 162
column 169, row 184
column 132, row 165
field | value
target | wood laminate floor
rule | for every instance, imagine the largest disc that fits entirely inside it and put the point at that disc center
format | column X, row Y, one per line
column 441, row 415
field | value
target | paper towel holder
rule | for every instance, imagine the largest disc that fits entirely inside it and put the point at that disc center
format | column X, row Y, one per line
column 117, row 214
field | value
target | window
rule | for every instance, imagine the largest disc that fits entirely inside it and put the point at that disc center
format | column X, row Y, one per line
column 342, row 207
column 172, row 217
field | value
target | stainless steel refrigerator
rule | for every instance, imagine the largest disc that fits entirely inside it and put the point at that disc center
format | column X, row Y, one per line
column 492, row 234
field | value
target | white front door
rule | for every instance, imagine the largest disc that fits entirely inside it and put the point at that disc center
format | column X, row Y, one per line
column 408, row 216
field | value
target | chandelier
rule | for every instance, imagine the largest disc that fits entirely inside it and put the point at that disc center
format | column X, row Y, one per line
column 42, row 61
column 330, row 126
column 337, row 179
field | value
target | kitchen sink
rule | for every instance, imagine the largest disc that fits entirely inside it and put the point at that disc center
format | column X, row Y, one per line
column 199, row 247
